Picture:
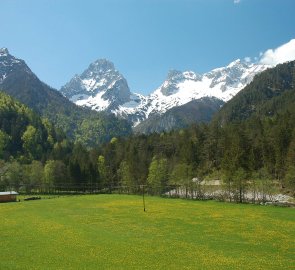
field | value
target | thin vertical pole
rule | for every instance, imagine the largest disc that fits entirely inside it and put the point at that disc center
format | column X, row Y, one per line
column 143, row 200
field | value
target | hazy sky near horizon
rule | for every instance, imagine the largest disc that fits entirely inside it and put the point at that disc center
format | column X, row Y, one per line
column 144, row 38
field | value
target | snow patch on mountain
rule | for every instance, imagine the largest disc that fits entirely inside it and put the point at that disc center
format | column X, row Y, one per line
column 103, row 88
column 100, row 87
column 95, row 102
column 182, row 87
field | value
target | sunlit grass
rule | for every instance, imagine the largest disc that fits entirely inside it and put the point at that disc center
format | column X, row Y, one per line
column 113, row 232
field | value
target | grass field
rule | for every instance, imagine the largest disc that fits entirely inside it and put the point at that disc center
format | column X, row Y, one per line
column 113, row 232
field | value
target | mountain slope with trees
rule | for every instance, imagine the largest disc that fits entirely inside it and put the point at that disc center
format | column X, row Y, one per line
column 81, row 124
column 34, row 155
column 195, row 111
column 269, row 93
column 23, row 134
column 249, row 145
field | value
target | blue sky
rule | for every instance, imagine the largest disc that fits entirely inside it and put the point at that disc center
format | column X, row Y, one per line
column 144, row 38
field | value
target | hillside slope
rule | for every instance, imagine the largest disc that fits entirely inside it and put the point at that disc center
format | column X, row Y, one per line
column 193, row 112
column 270, row 92
column 82, row 124
column 23, row 134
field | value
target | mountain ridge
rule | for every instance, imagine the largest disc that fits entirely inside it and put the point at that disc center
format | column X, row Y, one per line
column 82, row 124
column 267, row 92
column 193, row 112
column 178, row 89
column 100, row 85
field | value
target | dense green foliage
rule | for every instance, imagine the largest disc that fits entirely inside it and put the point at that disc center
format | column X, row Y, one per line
column 252, row 154
column 68, row 168
column 23, row 134
column 81, row 124
column 271, row 92
column 244, row 155
column 249, row 143
column 36, row 156
column 113, row 232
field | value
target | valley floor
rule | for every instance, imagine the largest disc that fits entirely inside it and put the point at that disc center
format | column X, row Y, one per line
column 113, row 232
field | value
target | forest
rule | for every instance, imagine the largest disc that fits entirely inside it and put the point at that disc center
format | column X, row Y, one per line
column 250, row 148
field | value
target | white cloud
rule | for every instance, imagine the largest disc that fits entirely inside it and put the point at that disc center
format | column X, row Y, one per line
column 247, row 59
column 237, row 1
column 284, row 53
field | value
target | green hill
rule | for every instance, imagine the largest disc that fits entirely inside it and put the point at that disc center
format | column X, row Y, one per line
column 23, row 133
column 270, row 93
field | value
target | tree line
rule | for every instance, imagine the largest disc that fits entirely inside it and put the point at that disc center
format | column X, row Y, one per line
column 251, row 148
column 253, row 155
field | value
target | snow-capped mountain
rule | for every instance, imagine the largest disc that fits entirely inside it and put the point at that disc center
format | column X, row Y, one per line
column 18, row 81
column 102, row 87
column 196, row 111
column 223, row 83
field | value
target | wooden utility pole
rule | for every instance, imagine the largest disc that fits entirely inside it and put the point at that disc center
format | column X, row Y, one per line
column 143, row 199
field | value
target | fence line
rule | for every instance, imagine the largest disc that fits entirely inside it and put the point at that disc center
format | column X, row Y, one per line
column 197, row 192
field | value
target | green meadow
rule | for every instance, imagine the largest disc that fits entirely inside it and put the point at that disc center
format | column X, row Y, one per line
column 113, row 232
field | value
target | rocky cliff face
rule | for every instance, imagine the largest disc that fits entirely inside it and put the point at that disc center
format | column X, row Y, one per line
column 102, row 88
column 81, row 124
column 9, row 65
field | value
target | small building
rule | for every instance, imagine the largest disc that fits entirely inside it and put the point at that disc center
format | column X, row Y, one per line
column 8, row 196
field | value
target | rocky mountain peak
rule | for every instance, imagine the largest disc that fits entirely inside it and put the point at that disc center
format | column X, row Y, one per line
column 10, row 64
column 190, row 75
column 169, row 87
column 174, row 75
column 103, row 88
column 233, row 77
column 103, row 65
column 235, row 63
column 4, row 51
column 100, row 85
column 100, row 68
